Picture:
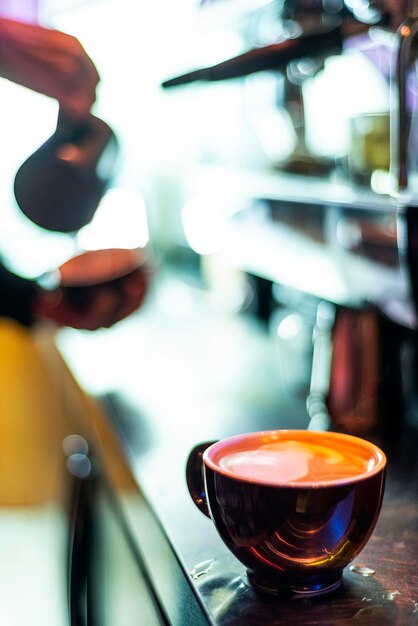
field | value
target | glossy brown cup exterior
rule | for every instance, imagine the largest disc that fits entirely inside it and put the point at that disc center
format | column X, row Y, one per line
column 300, row 538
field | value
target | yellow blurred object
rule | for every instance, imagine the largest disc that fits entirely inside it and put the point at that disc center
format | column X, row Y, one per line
column 31, row 421
column 369, row 147
column 41, row 404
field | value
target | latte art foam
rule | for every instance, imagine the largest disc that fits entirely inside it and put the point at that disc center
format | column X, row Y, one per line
column 296, row 461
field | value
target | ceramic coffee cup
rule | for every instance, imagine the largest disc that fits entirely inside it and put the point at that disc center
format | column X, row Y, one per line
column 295, row 507
column 93, row 289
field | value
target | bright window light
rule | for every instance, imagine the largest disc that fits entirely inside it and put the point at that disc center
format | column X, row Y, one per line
column 120, row 222
column 206, row 226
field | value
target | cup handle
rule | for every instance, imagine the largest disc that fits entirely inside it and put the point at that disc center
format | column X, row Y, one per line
column 195, row 477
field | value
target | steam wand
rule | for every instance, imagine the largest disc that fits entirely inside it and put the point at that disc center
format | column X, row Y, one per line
column 272, row 57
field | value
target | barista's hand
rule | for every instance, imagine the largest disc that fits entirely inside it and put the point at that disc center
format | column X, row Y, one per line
column 49, row 62
column 94, row 307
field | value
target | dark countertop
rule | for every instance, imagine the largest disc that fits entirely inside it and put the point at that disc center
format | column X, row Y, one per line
column 181, row 372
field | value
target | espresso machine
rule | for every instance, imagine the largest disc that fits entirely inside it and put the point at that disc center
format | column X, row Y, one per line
column 322, row 226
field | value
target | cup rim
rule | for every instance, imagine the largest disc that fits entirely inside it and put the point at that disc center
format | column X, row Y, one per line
column 378, row 454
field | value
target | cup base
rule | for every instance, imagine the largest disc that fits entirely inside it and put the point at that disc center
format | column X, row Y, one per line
column 305, row 589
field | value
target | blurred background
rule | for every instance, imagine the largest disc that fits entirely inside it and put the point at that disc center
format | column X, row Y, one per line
column 168, row 136
column 265, row 207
